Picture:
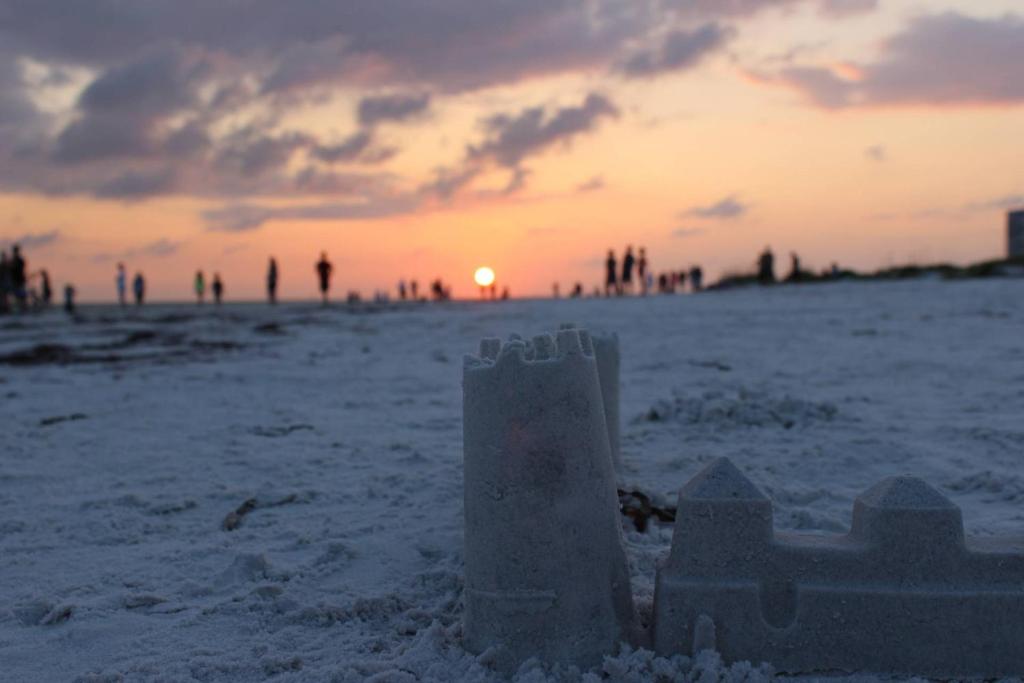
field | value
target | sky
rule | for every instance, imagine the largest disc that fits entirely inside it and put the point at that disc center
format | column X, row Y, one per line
column 423, row 138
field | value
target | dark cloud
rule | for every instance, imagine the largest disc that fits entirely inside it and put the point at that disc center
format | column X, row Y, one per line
column 944, row 59
column 187, row 141
column 99, row 138
column 724, row 209
column 513, row 137
column 680, row 49
column 121, row 110
column 190, row 96
column 447, row 182
column 395, row 107
column 251, row 152
column 356, row 148
column 137, row 185
column 36, row 240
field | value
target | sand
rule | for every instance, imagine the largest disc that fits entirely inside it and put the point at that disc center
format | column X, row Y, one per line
column 335, row 439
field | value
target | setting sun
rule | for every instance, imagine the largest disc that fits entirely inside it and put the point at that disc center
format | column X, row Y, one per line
column 484, row 276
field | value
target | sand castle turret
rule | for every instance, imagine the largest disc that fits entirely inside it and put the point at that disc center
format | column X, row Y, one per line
column 546, row 574
column 606, row 352
column 904, row 592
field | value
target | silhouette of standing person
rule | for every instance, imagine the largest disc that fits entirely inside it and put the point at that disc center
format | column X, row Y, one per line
column 5, row 282
column 766, row 267
column 218, row 289
column 641, row 271
column 628, row 261
column 696, row 279
column 611, row 284
column 19, row 280
column 199, row 284
column 122, row 284
column 401, row 290
column 139, row 288
column 272, row 281
column 47, row 288
column 414, row 290
column 323, row 271
column 795, row 274
column 69, row 299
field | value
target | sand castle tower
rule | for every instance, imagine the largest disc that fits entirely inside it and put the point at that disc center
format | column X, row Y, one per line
column 546, row 574
column 606, row 352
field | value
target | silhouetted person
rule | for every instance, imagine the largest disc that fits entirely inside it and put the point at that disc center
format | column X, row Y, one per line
column 628, row 261
column 555, row 293
column 577, row 291
column 19, row 280
column 5, row 283
column 69, row 299
column 272, row 281
column 641, row 271
column 323, row 272
column 199, row 284
column 122, row 284
column 414, row 290
column 139, row 289
column 611, row 282
column 401, row 290
column 663, row 281
column 47, row 289
column 696, row 278
column 505, row 294
column 794, row 273
column 440, row 292
column 218, row 289
column 766, row 267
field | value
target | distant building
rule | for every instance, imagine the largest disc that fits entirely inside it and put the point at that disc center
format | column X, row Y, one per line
column 1015, row 233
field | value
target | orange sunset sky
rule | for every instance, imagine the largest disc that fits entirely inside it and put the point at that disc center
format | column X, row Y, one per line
column 421, row 139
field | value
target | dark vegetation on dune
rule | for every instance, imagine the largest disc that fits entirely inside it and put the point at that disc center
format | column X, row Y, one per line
column 1013, row 267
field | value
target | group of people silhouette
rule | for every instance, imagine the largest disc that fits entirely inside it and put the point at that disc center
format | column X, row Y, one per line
column 23, row 290
column 17, row 290
column 620, row 283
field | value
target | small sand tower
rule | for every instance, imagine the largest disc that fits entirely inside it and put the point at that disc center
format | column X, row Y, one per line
column 606, row 352
column 546, row 574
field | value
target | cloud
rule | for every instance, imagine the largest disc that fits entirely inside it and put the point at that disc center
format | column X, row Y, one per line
column 687, row 232
column 846, row 8
column 32, row 240
column 920, row 65
column 726, row 208
column 120, row 111
column 244, row 217
column 593, row 184
column 137, row 185
column 357, row 148
column 876, row 153
column 191, row 97
column 679, row 50
column 251, row 152
column 513, row 137
column 1007, row 202
column 158, row 249
column 397, row 107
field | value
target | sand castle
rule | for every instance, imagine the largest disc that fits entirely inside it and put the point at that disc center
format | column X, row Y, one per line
column 546, row 573
column 903, row 592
